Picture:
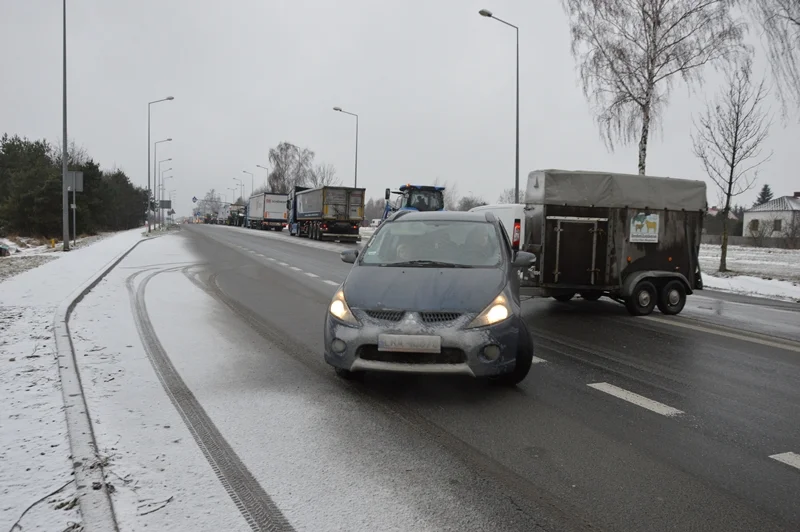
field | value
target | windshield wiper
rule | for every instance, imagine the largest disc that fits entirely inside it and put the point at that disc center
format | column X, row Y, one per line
column 427, row 264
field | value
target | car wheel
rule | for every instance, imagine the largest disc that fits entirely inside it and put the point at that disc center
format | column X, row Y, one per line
column 591, row 296
column 523, row 365
column 672, row 298
column 348, row 375
column 564, row 297
column 643, row 299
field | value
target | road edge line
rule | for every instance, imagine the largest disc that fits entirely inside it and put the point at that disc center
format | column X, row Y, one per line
column 94, row 499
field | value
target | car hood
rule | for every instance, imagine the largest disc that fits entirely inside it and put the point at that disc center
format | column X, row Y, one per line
column 423, row 289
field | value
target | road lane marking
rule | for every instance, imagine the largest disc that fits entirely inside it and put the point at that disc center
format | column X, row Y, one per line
column 537, row 360
column 295, row 268
column 283, row 264
column 251, row 251
column 312, row 274
column 726, row 334
column 270, row 258
column 260, row 254
column 638, row 400
column 332, row 283
column 792, row 459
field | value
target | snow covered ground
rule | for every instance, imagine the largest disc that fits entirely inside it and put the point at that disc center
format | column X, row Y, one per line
column 762, row 272
column 34, row 449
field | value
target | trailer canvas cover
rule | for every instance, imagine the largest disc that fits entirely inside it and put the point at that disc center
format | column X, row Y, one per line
column 602, row 189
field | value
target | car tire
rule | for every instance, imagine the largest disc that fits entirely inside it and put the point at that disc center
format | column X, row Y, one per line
column 564, row 297
column 523, row 365
column 642, row 300
column 591, row 296
column 672, row 298
column 348, row 375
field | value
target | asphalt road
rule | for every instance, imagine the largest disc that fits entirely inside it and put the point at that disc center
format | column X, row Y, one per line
column 653, row 424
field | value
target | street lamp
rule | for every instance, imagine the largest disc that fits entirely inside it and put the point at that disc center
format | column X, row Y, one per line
column 64, row 150
column 149, row 192
column 160, row 173
column 264, row 168
column 252, row 190
column 339, row 109
column 488, row 14
column 233, row 194
column 161, row 195
column 155, row 175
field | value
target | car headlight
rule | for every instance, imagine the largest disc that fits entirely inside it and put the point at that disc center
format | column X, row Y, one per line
column 339, row 309
column 497, row 311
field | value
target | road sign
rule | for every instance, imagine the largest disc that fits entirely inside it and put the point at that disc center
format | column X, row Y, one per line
column 75, row 181
column 194, row 199
column 165, row 204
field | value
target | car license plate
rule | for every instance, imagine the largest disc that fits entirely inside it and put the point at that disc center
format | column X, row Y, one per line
column 409, row 343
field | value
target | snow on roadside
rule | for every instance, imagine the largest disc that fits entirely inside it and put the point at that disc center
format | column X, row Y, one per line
column 754, row 286
column 34, row 446
column 162, row 480
column 773, row 263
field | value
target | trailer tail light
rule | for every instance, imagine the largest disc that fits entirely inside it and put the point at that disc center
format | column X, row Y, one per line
column 516, row 234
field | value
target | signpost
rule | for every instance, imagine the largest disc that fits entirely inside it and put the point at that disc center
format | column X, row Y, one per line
column 74, row 183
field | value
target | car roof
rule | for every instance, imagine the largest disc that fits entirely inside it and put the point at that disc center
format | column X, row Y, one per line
column 450, row 216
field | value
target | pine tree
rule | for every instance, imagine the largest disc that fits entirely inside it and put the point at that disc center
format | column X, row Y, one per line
column 764, row 196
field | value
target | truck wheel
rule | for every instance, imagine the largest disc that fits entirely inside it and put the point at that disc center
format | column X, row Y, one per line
column 591, row 296
column 564, row 297
column 672, row 298
column 642, row 300
column 315, row 232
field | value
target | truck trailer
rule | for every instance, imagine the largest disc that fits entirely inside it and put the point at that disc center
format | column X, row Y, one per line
column 326, row 213
column 635, row 239
column 267, row 210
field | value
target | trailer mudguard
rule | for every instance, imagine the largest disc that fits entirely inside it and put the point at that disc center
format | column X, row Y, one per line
column 633, row 279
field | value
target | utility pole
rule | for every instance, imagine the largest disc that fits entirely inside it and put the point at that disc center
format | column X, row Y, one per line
column 64, row 153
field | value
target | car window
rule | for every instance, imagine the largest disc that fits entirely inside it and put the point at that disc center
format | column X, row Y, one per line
column 461, row 243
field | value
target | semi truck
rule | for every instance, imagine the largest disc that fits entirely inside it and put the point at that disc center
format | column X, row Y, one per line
column 326, row 213
column 267, row 210
column 414, row 198
column 634, row 239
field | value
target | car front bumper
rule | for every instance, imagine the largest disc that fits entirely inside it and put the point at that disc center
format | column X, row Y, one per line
column 462, row 350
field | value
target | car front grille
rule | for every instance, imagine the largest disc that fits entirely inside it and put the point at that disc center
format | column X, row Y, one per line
column 439, row 317
column 448, row 355
column 385, row 315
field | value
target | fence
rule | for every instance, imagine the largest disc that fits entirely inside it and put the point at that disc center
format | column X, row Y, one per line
column 716, row 240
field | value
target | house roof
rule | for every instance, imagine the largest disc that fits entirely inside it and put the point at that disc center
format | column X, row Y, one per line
column 784, row 203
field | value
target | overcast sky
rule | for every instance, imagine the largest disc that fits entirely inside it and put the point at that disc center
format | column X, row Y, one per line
column 432, row 81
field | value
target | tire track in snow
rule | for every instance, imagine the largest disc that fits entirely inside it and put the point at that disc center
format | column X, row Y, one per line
column 255, row 505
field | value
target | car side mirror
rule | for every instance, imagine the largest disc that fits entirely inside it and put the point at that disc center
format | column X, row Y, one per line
column 349, row 256
column 388, row 193
column 523, row 259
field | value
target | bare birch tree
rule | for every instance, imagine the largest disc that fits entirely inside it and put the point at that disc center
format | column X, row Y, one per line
column 507, row 196
column 630, row 53
column 323, row 175
column 728, row 138
column 291, row 166
column 780, row 22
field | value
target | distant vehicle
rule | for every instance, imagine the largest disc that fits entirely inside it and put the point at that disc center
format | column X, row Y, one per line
column 268, row 211
column 374, row 223
column 513, row 216
column 326, row 213
column 432, row 292
column 423, row 198
column 635, row 239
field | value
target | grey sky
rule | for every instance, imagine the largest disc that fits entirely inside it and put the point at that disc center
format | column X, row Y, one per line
column 432, row 81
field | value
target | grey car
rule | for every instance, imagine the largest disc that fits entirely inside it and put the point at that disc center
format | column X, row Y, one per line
column 432, row 292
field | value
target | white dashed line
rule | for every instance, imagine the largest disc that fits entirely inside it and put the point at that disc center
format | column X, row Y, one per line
column 295, row 268
column 312, row 274
column 260, row 254
column 251, row 251
column 537, row 360
column 791, row 459
column 332, row 283
column 638, row 400
column 283, row 264
column 270, row 258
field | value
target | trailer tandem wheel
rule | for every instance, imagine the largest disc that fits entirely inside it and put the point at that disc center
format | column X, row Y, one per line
column 642, row 300
column 672, row 298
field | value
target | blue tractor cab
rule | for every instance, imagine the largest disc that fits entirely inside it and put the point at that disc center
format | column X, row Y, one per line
column 414, row 198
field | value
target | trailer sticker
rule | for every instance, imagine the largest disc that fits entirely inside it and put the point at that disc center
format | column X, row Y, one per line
column 644, row 228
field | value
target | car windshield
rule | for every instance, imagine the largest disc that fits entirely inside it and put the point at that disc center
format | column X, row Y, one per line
column 426, row 200
column 434, row 243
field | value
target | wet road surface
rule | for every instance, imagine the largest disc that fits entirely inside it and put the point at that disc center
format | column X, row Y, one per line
column 655, row 423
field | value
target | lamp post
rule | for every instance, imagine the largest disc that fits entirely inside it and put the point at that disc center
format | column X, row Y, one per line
column 160, row 173
column 339, row 109
column 155, row 175
column 161, row 190
column 241, row 185
column 64, row 150
column 149, row 191
column 252, row 191
column 264, row 168
column 488, row 14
